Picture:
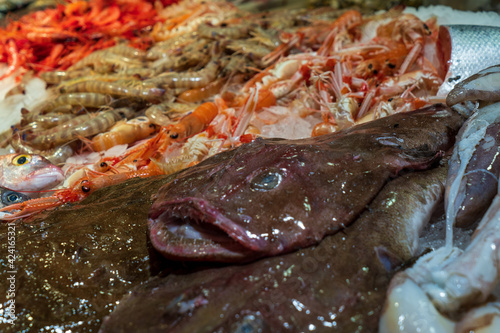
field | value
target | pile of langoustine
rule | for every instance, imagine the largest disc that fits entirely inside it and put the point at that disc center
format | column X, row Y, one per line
column 217, row 77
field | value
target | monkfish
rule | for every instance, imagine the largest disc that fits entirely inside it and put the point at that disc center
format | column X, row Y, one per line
column 25, row 172
column 275, row 196
column 338, row 285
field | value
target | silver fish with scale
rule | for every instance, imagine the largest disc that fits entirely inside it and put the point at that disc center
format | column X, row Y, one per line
column 465, row 50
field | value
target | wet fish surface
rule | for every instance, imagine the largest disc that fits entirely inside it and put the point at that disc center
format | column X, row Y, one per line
column 271, row 197
column 73, row 264
column 474, row 165
column 466, row 50
column 338, row 285
column 482, row 86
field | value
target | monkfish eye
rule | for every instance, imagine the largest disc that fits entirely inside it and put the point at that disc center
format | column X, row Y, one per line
column 21, row 159
column 266, row 180
column 11, row 198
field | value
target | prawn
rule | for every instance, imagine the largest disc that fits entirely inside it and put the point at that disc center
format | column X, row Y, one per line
column 346, row 21
column 14, row 58
column 50, row 120
column 166, row 113
column 93, row 126
column 124, row 132
column 384, row 63
column 187, row 80
column 55, row 77
column 257, row 100
column 224, row 30
column 104, row 61
column 127, row 88
column 199, row 94
column 195, row 122
column 93, row 99
column 56, row 156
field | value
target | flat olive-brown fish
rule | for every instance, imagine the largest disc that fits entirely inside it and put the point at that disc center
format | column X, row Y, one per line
column 274, row 196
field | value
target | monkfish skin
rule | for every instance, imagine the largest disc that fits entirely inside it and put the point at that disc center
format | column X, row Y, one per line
column 75, row 263
column 274, row 196
column 339, row 285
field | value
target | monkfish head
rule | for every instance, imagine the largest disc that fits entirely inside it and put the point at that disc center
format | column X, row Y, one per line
column 273, row 196
column 241, row 203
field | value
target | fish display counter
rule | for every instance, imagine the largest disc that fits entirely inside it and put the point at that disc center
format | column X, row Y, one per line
column 200, row 166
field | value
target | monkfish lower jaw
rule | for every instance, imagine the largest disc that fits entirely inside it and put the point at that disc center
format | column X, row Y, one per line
column 191, row 229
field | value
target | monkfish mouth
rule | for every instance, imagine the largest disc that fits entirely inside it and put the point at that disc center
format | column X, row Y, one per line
column 192, row 229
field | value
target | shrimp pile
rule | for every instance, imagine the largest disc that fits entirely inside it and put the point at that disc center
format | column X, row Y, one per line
column 215, row 77
column 55, row 38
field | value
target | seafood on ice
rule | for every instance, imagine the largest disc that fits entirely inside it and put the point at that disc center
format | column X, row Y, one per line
column 209, row 78
column 322, row 73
